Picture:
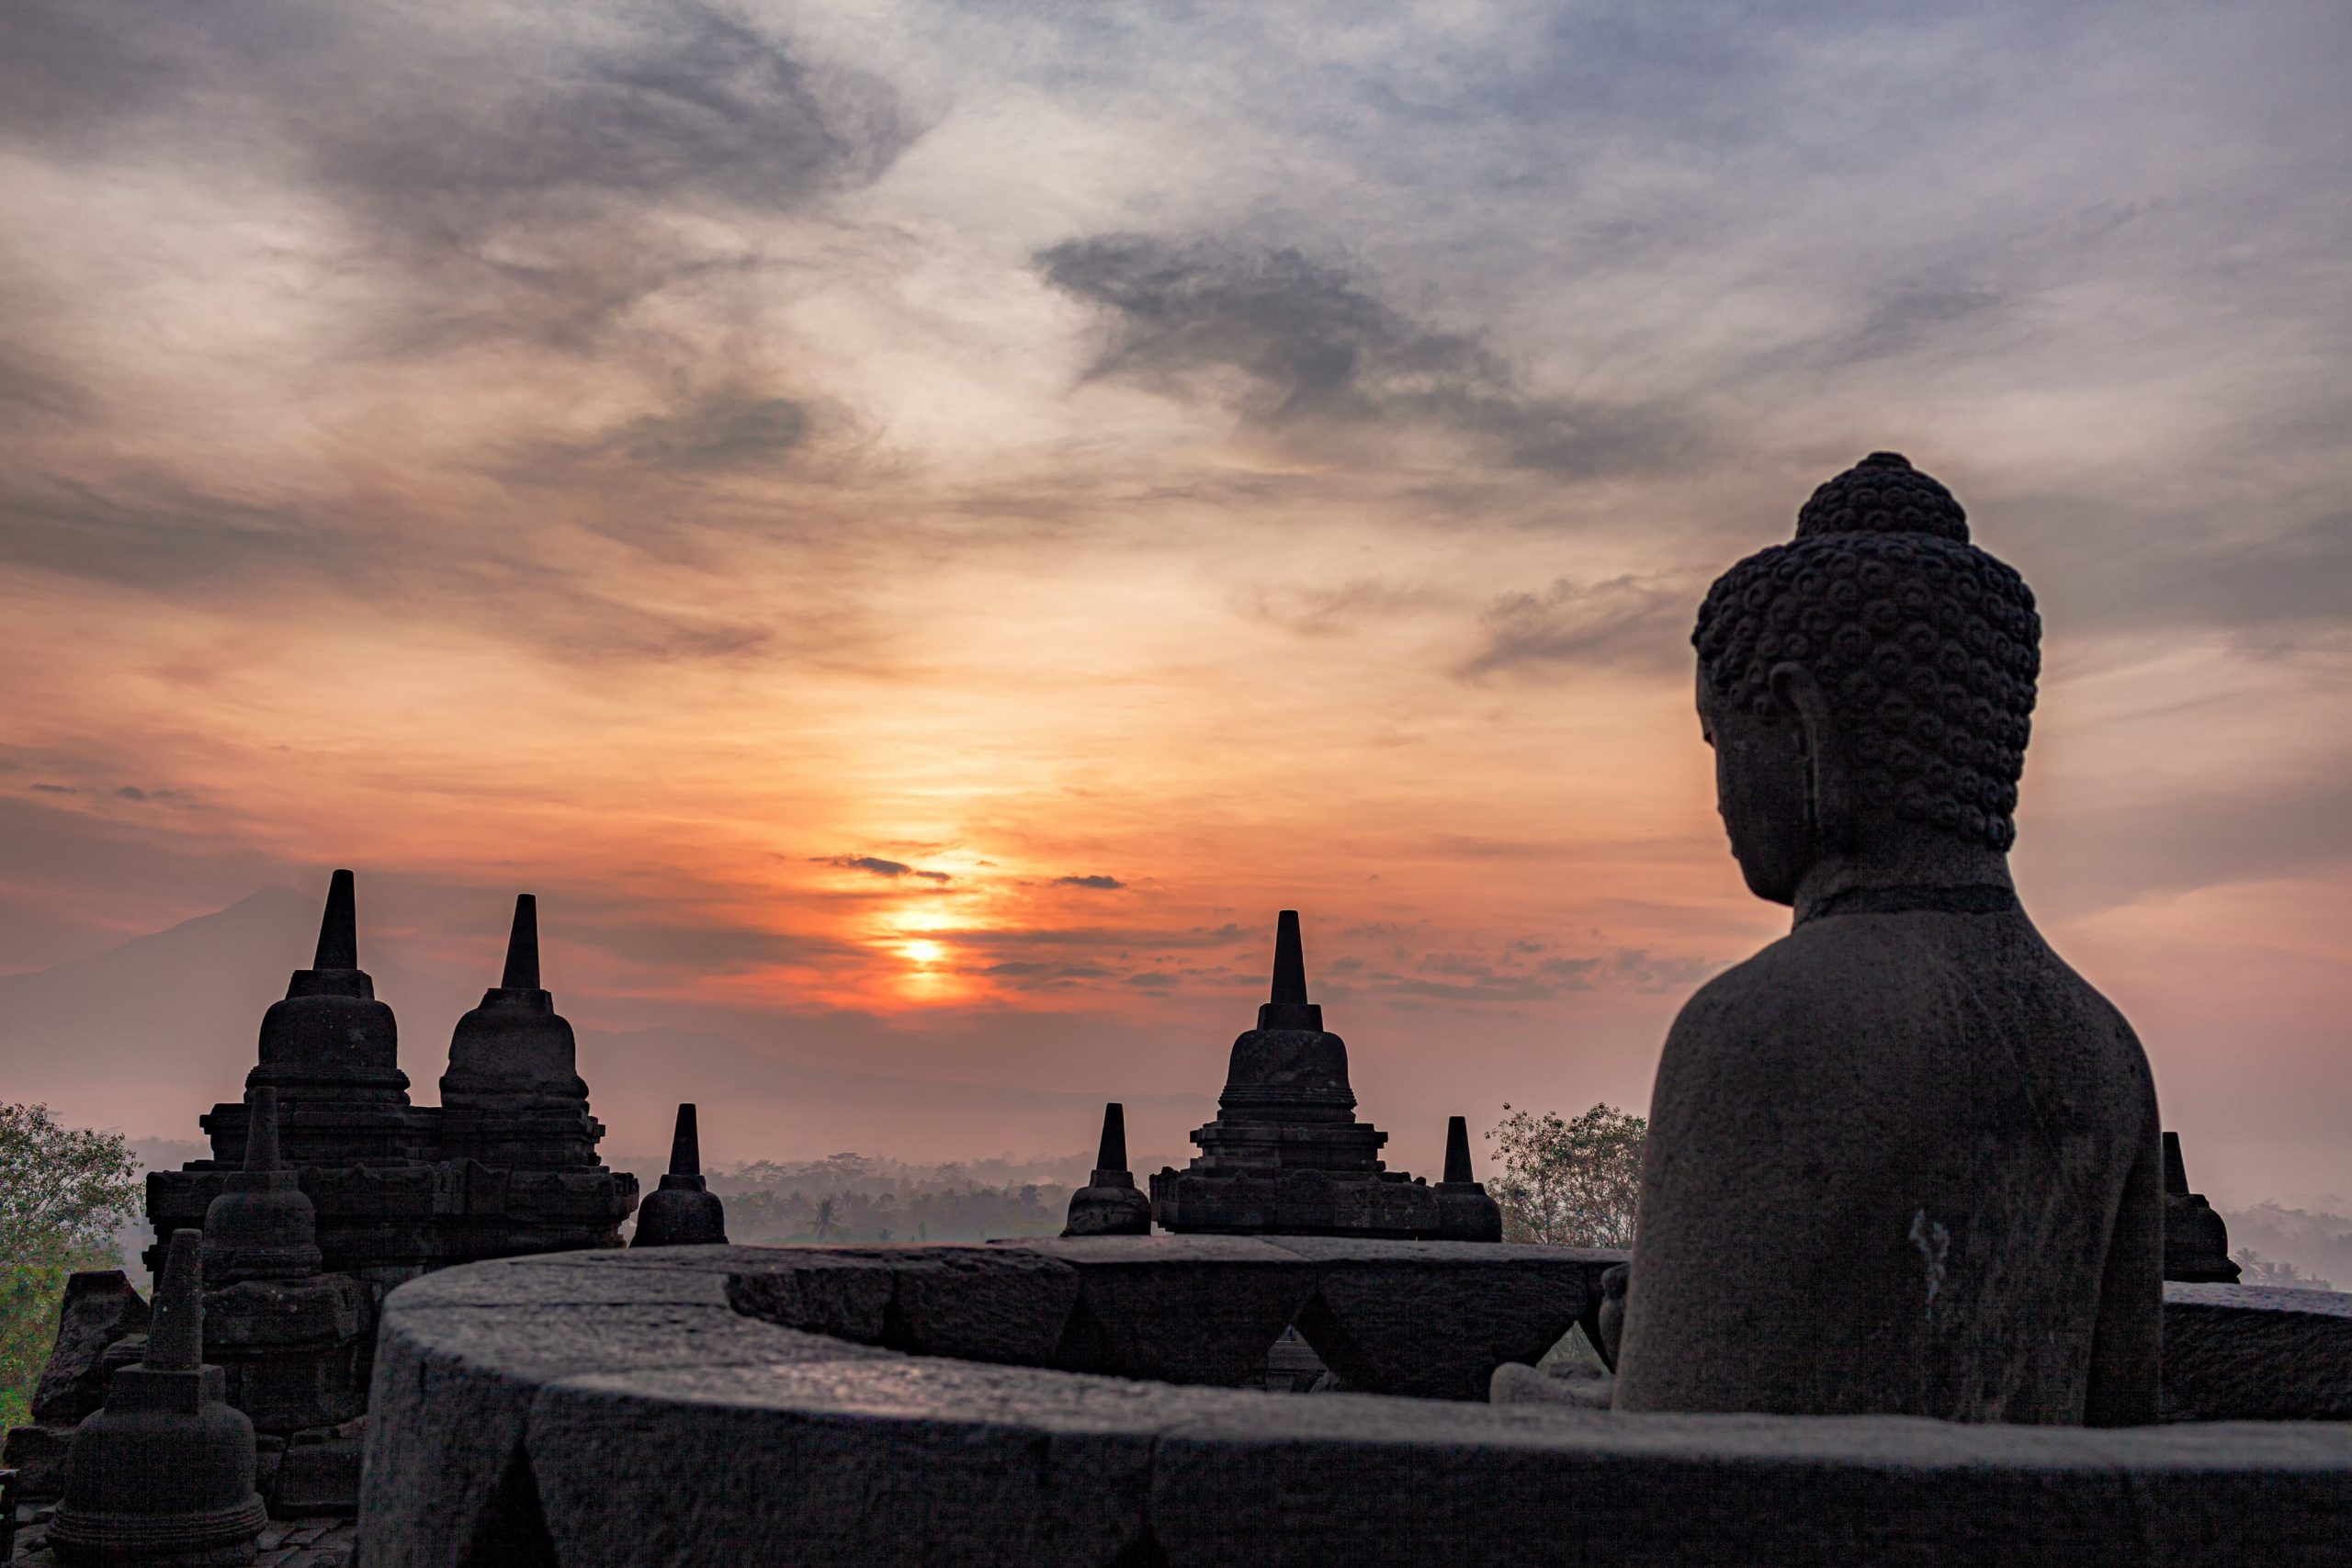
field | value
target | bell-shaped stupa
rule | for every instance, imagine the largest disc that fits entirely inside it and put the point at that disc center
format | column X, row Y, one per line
column 514, row 1122
column 1110, row 1204
column 512, row 1095
column 164, row 1472
column 683, row 1211
column 262, row 1227
column 1286, row 1154
column 332, row 1051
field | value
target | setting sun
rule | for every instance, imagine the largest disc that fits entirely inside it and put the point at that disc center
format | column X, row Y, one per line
column 925, row 953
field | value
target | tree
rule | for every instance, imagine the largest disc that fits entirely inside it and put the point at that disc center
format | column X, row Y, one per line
column 1568, row 1183
column 2259, row 1270
column 63, row 1191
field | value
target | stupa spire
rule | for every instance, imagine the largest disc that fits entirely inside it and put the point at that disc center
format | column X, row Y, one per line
column 1290, row 960
column 1112, row 1153
column 522, row 946
column 261, row 1132
column 176, row 1330
column 685, row 1144
column 1457, row 1149
column 339, row 927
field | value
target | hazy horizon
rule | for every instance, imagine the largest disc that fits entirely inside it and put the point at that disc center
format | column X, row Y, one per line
column 916, row 528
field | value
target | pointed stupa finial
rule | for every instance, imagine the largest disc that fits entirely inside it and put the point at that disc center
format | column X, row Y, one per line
column 261, row 1131
column 1457, row 1149
column 1289, row 1008
column 2176, row 1168
column 1111, row 1154
column 522, row 946
column 685, row 1144
column 1290, row 960
column 175, row 1331
column 339, row 927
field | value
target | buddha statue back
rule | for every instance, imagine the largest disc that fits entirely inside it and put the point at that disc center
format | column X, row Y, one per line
column 1903, row 1160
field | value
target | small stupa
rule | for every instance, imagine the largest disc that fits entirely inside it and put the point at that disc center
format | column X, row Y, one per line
column 1468, row 1214
column 1109, row 1203
column 291, row 1341
column 2197, row 1240
column 261, row 1228
column 163, row 1474
column 1286, row 1154
column 683, row 1211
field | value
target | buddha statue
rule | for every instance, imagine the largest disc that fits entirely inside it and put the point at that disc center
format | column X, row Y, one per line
column 1904, row 1160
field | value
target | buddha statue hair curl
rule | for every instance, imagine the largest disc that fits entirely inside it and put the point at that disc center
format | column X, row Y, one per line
column 1927, row 647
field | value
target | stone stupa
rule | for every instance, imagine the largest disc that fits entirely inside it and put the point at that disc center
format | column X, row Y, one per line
column 1109, row 1204
column 1286, row 1154
column 163, row 1474
column 683, row 1211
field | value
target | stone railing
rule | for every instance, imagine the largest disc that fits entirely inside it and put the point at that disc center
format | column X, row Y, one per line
column 1046, row 1403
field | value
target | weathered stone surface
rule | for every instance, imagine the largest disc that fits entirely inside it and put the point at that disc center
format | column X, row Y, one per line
column 538, row 1434
column 317, row 1478
column 1385, row 1484
column 37, row 1453
column 1435, row 1319
column 165, row 1470
column 843, row 1293
column 921, row 1460
column 2245, row 1353
column 99, row 1308
column 1178, row 1309
column 1931, row 1145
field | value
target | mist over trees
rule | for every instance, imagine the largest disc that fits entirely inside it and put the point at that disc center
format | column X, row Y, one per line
column 2301, row 1248
column 854, row 1197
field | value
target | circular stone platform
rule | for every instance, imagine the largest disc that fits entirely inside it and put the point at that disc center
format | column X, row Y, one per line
column 861, row 1406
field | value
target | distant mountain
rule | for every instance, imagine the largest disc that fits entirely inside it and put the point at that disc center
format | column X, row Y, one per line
column 146, row 1036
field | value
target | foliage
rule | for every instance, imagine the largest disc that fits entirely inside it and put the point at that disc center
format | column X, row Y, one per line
column 970, row 1212
column 63, row 1192
column 1568, row 1183
column 2259, row 1270
column 856, row 1198
column 2315, row 1242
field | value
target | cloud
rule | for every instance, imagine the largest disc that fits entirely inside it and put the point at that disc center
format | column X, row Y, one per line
column 1299, row 347
column 1106, row 883
column 877, row 866
column 1622, row 621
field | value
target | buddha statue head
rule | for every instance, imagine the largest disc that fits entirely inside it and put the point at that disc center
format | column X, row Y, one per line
column 1868, row 687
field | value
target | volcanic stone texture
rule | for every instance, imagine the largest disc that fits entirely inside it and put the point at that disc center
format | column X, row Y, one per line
column 668, row 1406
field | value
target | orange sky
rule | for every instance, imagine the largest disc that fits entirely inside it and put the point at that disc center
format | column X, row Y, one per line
column 1132, row 474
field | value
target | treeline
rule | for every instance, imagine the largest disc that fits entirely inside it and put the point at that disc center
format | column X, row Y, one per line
column 973, row 1212
column 852, row 1196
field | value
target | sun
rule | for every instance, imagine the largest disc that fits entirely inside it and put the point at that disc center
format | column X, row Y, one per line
column 924, row 952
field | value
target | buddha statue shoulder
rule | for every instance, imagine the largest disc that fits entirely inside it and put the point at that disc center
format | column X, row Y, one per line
column 1903, row 1160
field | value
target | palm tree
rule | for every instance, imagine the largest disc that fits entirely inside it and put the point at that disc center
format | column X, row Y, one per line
column 826, row 1224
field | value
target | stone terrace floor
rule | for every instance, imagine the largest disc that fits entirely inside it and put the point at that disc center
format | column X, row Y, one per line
column 286, row 1543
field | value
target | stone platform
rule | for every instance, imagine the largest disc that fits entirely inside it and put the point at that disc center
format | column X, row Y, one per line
column 903, row 1404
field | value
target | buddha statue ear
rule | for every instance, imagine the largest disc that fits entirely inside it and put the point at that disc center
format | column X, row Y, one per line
column 1830, row 779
